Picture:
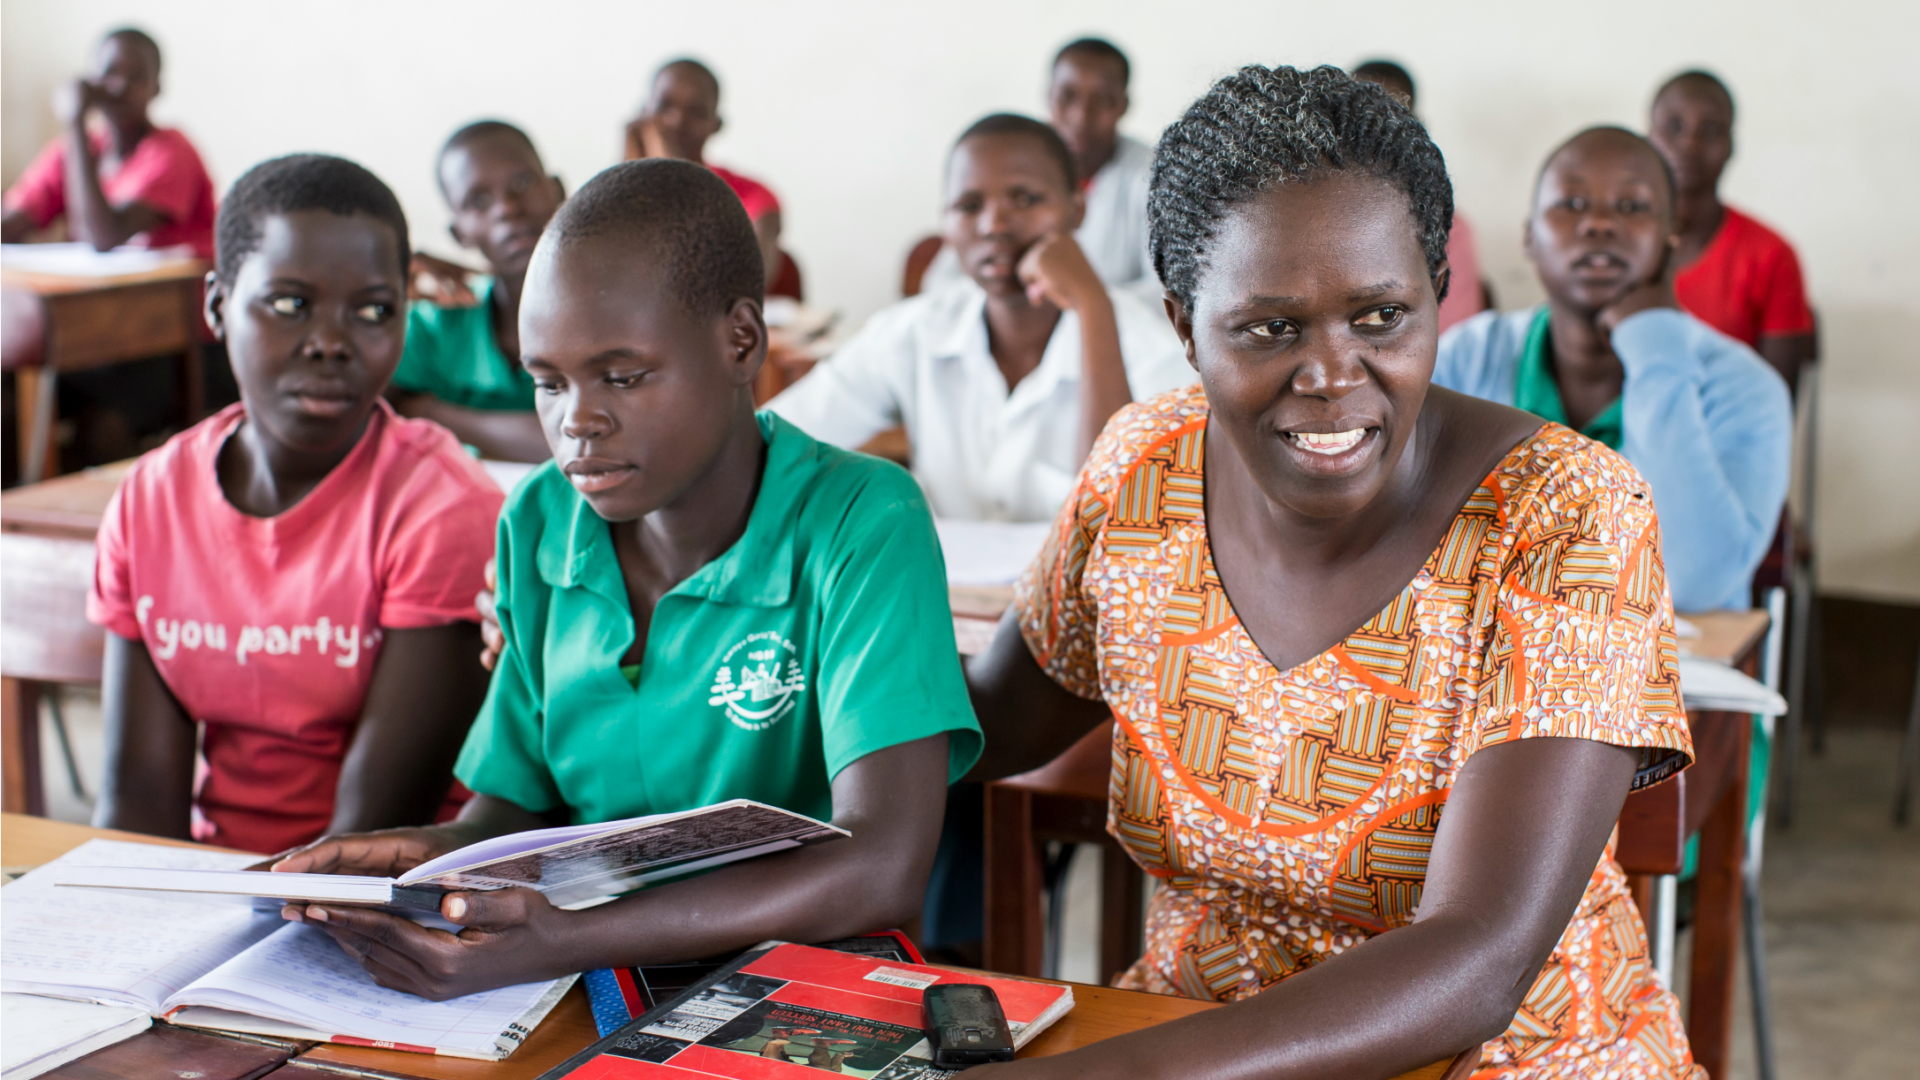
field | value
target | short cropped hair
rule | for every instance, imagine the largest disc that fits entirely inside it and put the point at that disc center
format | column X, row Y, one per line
column 685, row 219
column 1263, row 127
column 138, row 37
column 1666, row 167
column 699, row 68
column 474, row 132
column 1386, row 71
column 287, row 185
column 1028, row 127
column 1699, row 77
column 1098, row 49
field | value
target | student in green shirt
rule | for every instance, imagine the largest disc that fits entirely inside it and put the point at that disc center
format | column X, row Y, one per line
column 699, row 603
column 462, row 364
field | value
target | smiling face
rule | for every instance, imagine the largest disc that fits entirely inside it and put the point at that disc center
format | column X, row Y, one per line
column 129, row 72
column 1692, row 125
column 1314, row 328
column 501, row 198
column 314, row 321
column 1602, row 220
column 636, row 394
column 1085, row 103
column 1004, row 193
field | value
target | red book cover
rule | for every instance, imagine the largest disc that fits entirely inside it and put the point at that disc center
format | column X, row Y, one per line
column 782, row 1010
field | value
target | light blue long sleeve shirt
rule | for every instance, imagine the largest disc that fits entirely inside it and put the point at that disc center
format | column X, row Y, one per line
column 1706, row 421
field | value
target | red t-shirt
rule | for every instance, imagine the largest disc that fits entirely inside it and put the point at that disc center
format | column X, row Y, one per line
column 267, row 630
column 757, row 197
column 1746, row 284
column 164, row 171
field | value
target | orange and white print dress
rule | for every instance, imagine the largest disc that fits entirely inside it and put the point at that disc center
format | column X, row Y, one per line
column 1289, row 814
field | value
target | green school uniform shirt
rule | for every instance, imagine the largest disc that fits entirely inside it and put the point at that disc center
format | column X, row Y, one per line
column 451, row 353
column 821, row 636
column 1535, row 391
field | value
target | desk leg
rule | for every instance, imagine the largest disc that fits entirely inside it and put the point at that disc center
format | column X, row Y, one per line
column 1120, row 914
column 1716, row 921
column 20, row 747
column 33, row 402
column 1016, row 934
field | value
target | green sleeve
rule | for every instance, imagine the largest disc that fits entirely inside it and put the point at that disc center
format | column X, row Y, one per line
column 503, row 755
column 890, row 671
column 416, row 373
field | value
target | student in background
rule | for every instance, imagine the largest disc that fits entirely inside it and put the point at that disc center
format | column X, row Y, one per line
column 679, row 548
column 1003, row 378
column 1735, row 274
column 1086, row 100
column 1611, row 355
column 126, row 181
column 682, row 112
column 461, row 367
column 293, row 578
column 1467, row 294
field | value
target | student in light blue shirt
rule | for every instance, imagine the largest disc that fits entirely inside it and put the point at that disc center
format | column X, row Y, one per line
column 1610, row 354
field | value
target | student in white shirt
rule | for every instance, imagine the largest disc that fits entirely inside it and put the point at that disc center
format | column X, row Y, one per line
column 1085, row 101
column 1005, row 377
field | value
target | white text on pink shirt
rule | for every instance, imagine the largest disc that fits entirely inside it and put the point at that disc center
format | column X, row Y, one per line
column 323, row 637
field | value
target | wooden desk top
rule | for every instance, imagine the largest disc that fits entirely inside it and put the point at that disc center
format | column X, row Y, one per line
column 43, row 284
column 1726, row 637
column 70, row 505
column 1098, row 1012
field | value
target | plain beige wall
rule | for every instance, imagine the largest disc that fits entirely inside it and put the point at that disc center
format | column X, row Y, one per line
column 847, row 109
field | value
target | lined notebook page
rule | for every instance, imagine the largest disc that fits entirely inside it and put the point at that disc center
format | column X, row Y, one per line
column 300, row 976
column 125, row 947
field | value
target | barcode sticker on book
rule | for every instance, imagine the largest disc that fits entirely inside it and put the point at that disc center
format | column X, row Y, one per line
column 897, row 977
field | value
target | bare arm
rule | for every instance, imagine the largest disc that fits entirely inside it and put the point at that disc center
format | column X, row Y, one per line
column 1786, row 352
column 1522, row 831
column 890, row 800
column 767, row 232
column 502, row 436
column 1055, row 269
column 425, row 692
column 147, row 780
column 1027, row 718
column 90, row 217
column 16, row 227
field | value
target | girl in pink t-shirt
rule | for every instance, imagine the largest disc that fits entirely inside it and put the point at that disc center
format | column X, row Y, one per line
column 295, row 575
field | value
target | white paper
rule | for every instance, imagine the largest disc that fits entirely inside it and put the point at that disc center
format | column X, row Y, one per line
column 1707, row 685
column 299, row 975
column 80, row 260
column 121, row 946
column 43, row 1033
column 989, row 552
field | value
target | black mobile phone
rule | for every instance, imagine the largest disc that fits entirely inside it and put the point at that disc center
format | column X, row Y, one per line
column 964, row 1025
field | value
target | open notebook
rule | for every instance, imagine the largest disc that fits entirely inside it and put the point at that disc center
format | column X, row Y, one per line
column 216, row 962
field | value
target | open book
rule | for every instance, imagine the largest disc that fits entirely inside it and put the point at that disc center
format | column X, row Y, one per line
column 574, row 865
column 785, row 1010
column 216, row 962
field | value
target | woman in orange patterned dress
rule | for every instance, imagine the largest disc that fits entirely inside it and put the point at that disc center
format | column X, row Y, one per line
column 1385, row 660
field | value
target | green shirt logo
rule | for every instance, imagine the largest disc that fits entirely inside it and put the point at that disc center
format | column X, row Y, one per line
column 763, row 695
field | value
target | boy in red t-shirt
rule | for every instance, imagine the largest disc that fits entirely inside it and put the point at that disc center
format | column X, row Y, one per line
column 1735, row 274
column 130, row 182
column 293, row 579
column 682, row 112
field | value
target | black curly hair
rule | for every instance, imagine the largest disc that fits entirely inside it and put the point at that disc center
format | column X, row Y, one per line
column 1262, row 127
column 682, row 217
column 286, row 185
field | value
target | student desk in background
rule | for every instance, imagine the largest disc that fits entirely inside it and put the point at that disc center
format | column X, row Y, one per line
column 61, row 323
column 1098, row 1013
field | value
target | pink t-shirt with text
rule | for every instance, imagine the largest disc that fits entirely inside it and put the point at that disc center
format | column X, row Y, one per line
column 164, row 171
column 268, row 629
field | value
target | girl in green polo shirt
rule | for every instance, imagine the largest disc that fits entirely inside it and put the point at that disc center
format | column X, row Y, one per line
column 699, row 604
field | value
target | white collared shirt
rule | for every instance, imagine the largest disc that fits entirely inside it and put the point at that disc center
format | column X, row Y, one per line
column 1113, row 234
column 979, row 451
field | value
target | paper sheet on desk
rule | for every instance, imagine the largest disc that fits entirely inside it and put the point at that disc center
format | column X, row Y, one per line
column 124, row 947
column 1707, row 685
column 989, row 552
column 81, row 260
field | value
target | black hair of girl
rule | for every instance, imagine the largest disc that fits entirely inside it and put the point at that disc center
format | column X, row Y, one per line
column 297, row 182
column 1262, row 127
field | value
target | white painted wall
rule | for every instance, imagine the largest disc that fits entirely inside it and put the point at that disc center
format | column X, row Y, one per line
column 847, row 109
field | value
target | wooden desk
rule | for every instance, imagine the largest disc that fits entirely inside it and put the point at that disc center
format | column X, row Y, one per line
column 75, row 323
column 1098, row 1013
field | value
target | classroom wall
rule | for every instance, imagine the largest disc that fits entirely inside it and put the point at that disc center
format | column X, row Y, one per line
column 847, row 109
